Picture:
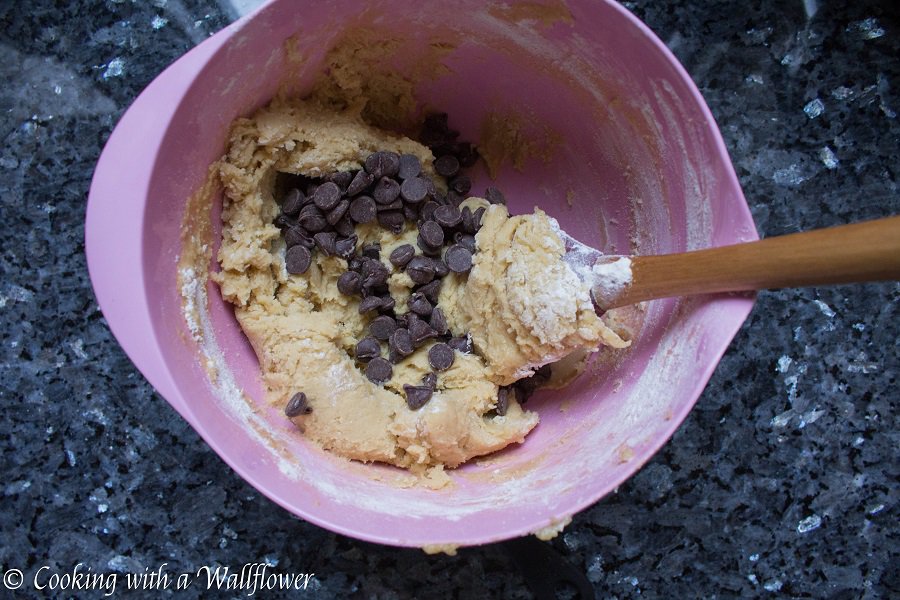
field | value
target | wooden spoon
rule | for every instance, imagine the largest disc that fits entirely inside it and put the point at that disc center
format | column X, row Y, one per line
column 868, row 251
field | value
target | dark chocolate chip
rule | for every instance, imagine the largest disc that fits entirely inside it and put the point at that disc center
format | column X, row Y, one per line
column 439, row 196
column 349, row 283
column 311, row 188
column 468, row 221
column 292, row 202
column 297, row 405
column 362, row 209
column 461, row 184
column 401, row 255
column 380, row 164
column 414, row 190
column 454, row 198
column 426, row 212
column 327, row 196
column 502, row 401
column 392, row 220
column 345, row 247
column 379, row 370
column 297, row 259
column 463, row 344
column 417, row 396
column 374, row 273
column 440, row 267
column 432, row 234
column 382, row 327
column 419, row 304
column 494, row 196
column 283, row 221
column 439, row 321
column 431, row 290
column 341, row 179
column 338, row 212
column 411, row 212
column 326, row 242
column 448, row 216
column 355, row 263
column 447, row 166
column 372, row 250
column 296, row 235
column 361, row 181
column 312, row 222
column 391, row 164
column 440, row 357
column 410, row 166
column 367, row 349
column 420, row 331
column 396, row 205
column 420, row 269
column 386, row 191
column 467, row 154
column 542, row 375
column 458, row 258
column 344, row 227
column 369, row 303
column 430, row 380
column 387, row 303
column 401, row 343
column 465, row 240
column 477, row 217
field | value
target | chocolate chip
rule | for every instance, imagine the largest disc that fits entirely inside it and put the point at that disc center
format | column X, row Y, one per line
column 502, row 401
column 387, row 303
column 341, row 179
column 292, row 202
column 345, row 247
column 494, row 196
column 367, row 349
column 338, row 212
column 409, row 166
column 369, row 303
column 413, row 190
column 372, row 250
column 426, row 212
column 326, row 242
column 411, row 212
column 435, row 128
column 427, row 250
column 468, row 221
column 374, row 273
column 419, row 330
column 392, row 220
column 461, row 184
column 432, row 234
column 396, row 205
column 454, row 198
column 477, row 217
column 312, row 222
column 297, row 405
column 349, row 283
column 382, row 327
column 420, row 269
column 463, row 344
column 419, row 304
column 362, row 209
column 440, row 268
column 297, row 259
column 417, row 396
column 344, row 227
column 361, row 181
column 542, row 375
column 438, row 321
column 431, row 290
column 458, row 258
column 448, row 216
column 401, row 343
column 467, row 154
column 401, row 255
column 283, row 221
column 386, row 191
column 440, row 357
column 311, row 189
column 447, row 166
column 430, row 380
column 465, row 240
column 296, row 235
column 379, row 370
column 327, row 196
column 380, row 164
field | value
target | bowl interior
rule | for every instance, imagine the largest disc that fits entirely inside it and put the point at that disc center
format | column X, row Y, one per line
column 605, row 132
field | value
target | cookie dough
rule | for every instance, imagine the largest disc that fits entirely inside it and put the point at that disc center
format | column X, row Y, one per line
column 521, row 304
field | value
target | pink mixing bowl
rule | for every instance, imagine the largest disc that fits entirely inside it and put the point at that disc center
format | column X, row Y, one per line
column 629, row 159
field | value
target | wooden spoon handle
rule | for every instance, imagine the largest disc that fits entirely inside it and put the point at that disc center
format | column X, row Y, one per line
column 868, row 251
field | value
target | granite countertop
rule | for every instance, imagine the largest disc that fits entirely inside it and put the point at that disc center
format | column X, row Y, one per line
column 782, row 481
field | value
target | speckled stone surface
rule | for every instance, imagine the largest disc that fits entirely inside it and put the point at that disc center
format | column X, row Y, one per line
column 782, row 482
